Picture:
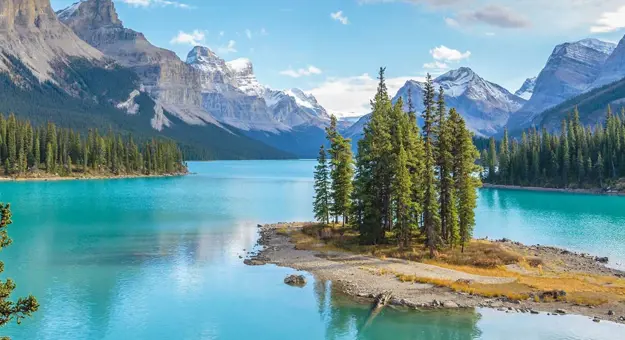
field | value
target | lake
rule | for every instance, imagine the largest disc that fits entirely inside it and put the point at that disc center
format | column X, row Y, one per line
column 159, row 258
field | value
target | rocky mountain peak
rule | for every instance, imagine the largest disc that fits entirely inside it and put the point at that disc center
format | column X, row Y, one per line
column 201, row 54
column 92, row 14
column 24, row 14
column 527, row 89
column 614, row 67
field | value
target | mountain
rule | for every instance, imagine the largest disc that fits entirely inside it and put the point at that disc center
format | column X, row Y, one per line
column 614, row 67
column 571, row 70
column 527, row 89
column 48, row 73
column 290, row 120
column 485, row 106
column 31, row 33
column 170, row 82
column 592, row 106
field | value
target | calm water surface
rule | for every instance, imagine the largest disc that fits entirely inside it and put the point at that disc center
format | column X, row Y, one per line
column 159, row 259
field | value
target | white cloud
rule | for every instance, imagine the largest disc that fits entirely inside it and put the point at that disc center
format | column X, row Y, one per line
column 448, row 54
column 248, row 33
column 351, row 96
column 338, row 16
column 162, row 3
column 194, row 38
column 610, row 21
column 229, row 48
column 451, row 22
column 490, row 34
column 221, row 33
column 302, row 72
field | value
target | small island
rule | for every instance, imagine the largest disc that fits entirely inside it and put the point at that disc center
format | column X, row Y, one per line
column 398, row 225
column 502, row 274
column 30, row 153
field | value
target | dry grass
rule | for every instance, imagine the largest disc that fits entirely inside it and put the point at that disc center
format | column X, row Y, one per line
column 480, row 258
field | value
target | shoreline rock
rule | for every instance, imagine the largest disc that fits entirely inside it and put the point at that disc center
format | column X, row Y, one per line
column 351, row 278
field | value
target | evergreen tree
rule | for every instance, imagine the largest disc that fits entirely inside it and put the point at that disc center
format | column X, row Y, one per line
column 431, row 218
column 24, row 306
column 322, row 188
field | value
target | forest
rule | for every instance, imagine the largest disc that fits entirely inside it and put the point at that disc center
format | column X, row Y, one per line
column 30, row 151
column 577, row 157
column 406, row 184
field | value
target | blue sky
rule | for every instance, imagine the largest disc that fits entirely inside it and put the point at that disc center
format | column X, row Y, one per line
column 334, row 48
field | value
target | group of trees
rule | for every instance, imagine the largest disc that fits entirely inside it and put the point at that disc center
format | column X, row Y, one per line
column 25, row 149
column 576, row 157
column 404, row 181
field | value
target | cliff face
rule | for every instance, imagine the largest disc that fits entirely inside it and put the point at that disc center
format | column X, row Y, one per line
column 175, row 85
column 30, row 31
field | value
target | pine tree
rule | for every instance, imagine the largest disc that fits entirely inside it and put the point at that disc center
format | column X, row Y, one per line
column 431, row 218
column 24, row 306
column 445, row 164
column 322, row 202
column 464, row 156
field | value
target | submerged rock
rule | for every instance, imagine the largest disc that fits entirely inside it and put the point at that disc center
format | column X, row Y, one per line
column 295, row 280
column 255, row 262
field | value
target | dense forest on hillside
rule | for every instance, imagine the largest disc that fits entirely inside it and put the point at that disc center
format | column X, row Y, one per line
column 408, row 184
column 95, row 89
column 27, row 151
column 577, row 157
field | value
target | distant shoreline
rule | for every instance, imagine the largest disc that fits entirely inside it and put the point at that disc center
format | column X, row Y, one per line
column 52, row 178
column 543, row 189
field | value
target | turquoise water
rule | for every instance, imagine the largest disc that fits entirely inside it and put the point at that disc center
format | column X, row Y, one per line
column 159, row 259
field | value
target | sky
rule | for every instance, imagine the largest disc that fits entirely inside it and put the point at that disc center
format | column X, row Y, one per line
column 334, row 48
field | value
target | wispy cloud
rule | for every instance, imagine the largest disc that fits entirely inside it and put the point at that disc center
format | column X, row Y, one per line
column 338, row 16
column 495, row 15
column 228, row 48
column 445, row 53
column 610, row 21
column 162, row 3
column 302, row 72
column 248, row 34
column 350, row 96
column 197, row 37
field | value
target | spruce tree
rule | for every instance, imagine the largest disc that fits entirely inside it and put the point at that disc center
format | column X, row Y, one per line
column 24, row 306
column 445, row 164
column 431, row 218
column 322, row 202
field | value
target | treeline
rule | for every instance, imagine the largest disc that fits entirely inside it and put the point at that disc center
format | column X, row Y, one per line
column 405, row 183
column 26, row 150
column 576, row 157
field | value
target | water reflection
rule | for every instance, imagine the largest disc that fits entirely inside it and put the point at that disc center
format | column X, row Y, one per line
column 346, row 319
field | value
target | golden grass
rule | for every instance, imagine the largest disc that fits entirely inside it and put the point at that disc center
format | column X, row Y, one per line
column 480, row 257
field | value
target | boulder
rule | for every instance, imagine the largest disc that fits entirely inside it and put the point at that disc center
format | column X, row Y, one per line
column 295, row 280
column 255, row 262
column 450, row 304
column 610, row 312
column 561, row 311
column 601, row 259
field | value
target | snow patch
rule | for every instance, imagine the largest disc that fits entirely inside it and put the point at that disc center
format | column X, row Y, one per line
column 159, row 121
column 130, row 105
column 66, row 13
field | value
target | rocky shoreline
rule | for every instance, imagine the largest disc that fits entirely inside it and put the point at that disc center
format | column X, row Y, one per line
column 366, row 278
column 52, row 178
column 597, row 191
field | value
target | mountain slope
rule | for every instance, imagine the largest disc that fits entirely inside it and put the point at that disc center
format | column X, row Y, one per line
column 31, row 32
column 485, row 106
column 592, row 106
column 527, row 89
column 571, row 70
column 614, row 67
column 167, row 79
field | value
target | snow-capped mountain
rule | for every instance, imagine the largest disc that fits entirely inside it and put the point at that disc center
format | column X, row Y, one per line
column 527, row 89
column 233, row 94
column 571, row 70
column 485, row 106
column 614, row 67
